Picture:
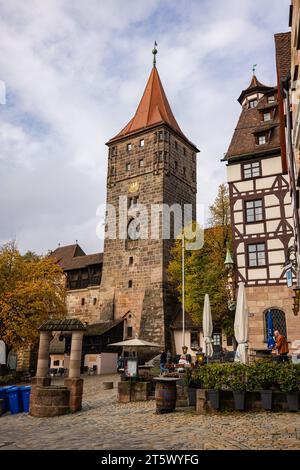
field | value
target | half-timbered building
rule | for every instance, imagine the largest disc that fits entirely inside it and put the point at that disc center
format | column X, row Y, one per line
column 261, row 213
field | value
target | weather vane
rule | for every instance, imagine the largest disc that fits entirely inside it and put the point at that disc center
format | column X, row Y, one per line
column 154, row 52
column 254, row 68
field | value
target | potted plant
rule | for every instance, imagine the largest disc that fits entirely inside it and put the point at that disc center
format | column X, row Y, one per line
column 261, row 376
column 212, row 379
column 288, row 379
column 236, row 381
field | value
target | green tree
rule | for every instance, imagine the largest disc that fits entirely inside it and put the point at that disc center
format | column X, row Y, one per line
column 205, row 272
column 32, row 290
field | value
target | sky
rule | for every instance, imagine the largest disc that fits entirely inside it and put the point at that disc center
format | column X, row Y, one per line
column 74, row 72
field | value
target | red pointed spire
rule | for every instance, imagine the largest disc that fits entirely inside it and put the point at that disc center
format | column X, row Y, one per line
column 153, row 109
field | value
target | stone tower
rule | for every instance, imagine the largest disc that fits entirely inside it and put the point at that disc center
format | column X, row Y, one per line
column 150, row 162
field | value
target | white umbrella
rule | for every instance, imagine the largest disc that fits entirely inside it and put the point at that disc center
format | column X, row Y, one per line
column 136, row 343
column 207, row 327
column 241, row 325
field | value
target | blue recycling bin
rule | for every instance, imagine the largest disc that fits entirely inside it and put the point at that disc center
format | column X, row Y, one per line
column 4, row 396
column 25, row 397
column 14, row 400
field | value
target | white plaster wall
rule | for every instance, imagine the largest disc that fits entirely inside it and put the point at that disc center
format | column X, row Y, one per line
column 271, row 166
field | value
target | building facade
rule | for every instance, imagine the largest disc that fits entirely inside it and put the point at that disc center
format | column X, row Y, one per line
column 261, row 212
column 150, row 163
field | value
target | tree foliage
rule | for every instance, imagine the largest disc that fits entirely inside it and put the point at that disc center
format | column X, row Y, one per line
column 32, row 290
column 205, row 272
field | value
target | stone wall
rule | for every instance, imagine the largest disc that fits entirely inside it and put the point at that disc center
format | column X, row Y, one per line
column 88, row 312
column 262, row 298
column 134, row 276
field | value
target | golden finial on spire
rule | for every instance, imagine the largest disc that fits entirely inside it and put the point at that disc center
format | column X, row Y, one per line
column 154, row 52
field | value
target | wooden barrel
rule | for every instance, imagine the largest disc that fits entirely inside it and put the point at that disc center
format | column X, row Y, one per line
column 165, row 396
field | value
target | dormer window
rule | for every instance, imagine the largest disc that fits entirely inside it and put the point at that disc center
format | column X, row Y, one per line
column 267, row 117
column 271, row 99
column 262, row 139
column 253, row 103
column 129, row 147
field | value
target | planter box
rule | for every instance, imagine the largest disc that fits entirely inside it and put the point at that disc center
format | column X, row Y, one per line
column 292, row 399
column 214, row 398
column 239, row 400
column 266, row 399
column 192, row 397
column 252, row 401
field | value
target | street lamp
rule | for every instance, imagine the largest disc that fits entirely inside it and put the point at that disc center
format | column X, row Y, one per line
column 229, row 265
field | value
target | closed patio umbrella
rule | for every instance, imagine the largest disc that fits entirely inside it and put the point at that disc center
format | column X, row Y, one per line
column 241, row 325
column 270, row 334
column 207, row 327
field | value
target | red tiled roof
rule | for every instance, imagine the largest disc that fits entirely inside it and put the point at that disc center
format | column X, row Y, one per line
column 283, row 54
column 73, row 257
column 250, row 123
column 153, row 109
column 255, row 86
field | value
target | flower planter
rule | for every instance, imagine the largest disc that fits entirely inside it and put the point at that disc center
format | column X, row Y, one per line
column 214, row 399
column 239, row 400
column 192, row 396
column 293, row 401
column 266, row 397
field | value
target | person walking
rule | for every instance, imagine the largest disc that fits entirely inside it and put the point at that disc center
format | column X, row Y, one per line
column 281, row 346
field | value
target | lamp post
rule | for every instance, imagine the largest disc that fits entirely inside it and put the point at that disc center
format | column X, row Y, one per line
column 229, row 265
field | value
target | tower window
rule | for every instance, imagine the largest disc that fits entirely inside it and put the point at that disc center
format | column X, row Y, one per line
column 254, row 211
column 194, row 176
column 267, row 117
column 175, row 165
column 251, row 170
column 184, row 171
column 262, row 139
column 253, row 103
column 129, row 147
column 142, row 142
column 94, row 301
column 141, row 163
column 130, row 261
column 176, row 144
column 161, row 135
column 256, row 255
column 130, row 283
column 184, row 151
column 112, row 171
column 114, row 150
column 132, row 202
column 82, row 302
column 128, row 166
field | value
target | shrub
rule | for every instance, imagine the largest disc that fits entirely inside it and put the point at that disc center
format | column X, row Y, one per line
column 235, row 376
column 261, row 375
column 289, row 377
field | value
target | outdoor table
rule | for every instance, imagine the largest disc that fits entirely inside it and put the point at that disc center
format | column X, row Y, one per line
column 165, row 394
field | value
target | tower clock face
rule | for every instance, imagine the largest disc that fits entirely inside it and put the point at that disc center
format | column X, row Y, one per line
column 133, row 230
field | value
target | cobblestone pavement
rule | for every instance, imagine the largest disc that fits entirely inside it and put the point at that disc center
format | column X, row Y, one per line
column 104, row 424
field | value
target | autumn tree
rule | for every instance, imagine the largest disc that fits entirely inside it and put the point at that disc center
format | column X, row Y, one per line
column 205, row 272
column 32, row 290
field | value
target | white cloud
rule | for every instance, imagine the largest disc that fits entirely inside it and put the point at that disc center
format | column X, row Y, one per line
column 74, row 75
